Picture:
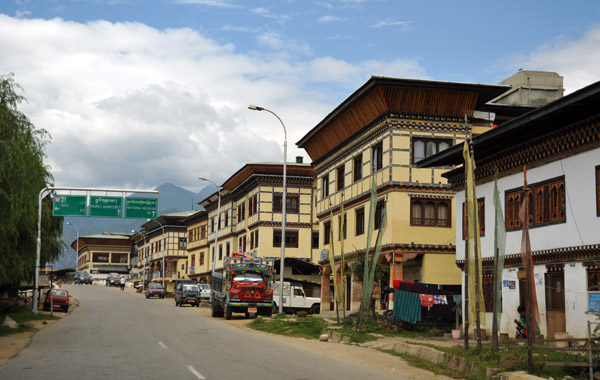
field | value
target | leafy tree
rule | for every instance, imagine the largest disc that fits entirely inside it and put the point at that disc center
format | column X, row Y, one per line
column 22, row 176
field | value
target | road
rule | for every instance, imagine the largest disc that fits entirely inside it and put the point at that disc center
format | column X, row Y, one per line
column 115, row 334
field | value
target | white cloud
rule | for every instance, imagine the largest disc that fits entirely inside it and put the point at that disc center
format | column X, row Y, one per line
column 22, row 13
column 210, row 3
column 575, row 59
column 238, row 28
column 404, row 25
column 275, row 41
column 329, row 18
column 128, row 105
column 264, row 12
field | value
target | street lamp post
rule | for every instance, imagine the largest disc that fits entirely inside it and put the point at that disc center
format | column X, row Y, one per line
column 218, row 219
column 71, row 224
column 283, row 203
column 166, row 252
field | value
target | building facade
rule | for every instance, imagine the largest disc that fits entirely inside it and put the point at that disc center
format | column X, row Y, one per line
column 104, row 253
column 559, row 144
column 379, row 134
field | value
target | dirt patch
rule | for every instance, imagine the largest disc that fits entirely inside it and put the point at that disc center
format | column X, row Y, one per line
column 346, row 352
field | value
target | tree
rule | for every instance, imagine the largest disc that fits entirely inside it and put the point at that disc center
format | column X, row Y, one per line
column 22, row 176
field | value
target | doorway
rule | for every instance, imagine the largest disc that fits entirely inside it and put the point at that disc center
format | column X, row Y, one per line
column 555, row 301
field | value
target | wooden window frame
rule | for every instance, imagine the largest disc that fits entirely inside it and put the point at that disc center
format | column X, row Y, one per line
column 360, row 222
column 315, row 240
column 340, row 171
column 291, row 238
column 325, row 185
column 344, row 232
column 425, row 140
column 598, row 190
column 326, row 232
column 290, row 199
column 357, row 169
column 547, row 204
column 378, row 214
column 377, row 159
column 481, row 212
column 437, row 221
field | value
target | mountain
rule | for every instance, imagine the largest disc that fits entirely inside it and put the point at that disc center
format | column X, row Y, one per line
column 171, row 199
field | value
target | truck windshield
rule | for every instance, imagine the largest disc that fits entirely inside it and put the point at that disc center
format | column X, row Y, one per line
column 190, row 288
column 247, row 277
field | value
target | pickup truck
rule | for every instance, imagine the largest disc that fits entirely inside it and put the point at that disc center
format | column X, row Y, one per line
column 187, row 293
column 294, row 299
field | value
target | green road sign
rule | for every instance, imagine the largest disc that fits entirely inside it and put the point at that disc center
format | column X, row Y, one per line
column 141, row 208
column 68, row 205
column 106, row 207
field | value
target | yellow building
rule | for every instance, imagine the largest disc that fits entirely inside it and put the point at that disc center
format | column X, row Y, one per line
column 382, row 130
column 162, row 254
column 250, row 214
column 102, row 254
column 197, row 246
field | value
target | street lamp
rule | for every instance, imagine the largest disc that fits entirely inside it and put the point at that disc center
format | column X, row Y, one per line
column 218, row 220
column 140, row 256
column 283, row 203
column 71, row 224
column 163, row 256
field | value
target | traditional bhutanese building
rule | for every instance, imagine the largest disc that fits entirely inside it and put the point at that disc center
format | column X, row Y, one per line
column 559, row 143
column 197, row 246
column 104, row 253
column 382, row 130
column 162, row 253
column 251, row 214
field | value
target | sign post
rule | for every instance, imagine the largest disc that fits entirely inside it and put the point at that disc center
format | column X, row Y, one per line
column 69, row 205
column 141, row 208
column 106, row 207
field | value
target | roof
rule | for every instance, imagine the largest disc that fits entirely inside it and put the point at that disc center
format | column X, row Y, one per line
column 382, row 94
column 543, row 120
column 108, row 238
column 173, row 219
column 269, row 168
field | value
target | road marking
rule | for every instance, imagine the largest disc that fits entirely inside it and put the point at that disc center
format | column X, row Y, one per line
column 162, row 344
column 196, row 373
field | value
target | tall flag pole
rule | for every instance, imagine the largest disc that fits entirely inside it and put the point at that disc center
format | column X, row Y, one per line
column 332, row 263
column 473, row 254
column 499, row 250
column 532, row 313
column 342, row 292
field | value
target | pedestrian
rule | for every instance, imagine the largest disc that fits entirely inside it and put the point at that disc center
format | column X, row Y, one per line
column 122, row 283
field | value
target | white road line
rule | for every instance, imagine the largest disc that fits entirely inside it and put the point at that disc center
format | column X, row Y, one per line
column 162, row 344
column 196, row 373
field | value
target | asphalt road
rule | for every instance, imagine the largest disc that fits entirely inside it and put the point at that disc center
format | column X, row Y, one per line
column 123, row 335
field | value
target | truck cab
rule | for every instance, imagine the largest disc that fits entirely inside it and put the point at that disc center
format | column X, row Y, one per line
column 295, row 299
column 243, row 287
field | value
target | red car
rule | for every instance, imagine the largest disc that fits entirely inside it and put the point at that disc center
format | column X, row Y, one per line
column 59, row 298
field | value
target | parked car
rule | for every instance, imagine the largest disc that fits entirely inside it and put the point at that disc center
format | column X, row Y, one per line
column 76, row 277
column 85, row 278
column 204, row 291
column 58, row 298
column 187, row 293
column 154, row 289
column 113, row 279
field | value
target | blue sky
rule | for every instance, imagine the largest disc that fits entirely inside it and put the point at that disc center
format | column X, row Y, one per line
column 137, row 93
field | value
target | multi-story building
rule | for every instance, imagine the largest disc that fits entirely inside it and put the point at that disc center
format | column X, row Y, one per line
column 197, row 246
column 382, row 130
column 164, row 256
column 251, row 214
column 104, row 253
column 559, row 144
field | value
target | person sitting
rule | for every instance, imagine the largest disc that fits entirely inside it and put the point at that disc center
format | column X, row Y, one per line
column 522, row 323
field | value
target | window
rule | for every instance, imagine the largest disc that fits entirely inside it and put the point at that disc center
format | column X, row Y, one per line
column 481, row 211
column 193, row 263
column 253, row 205
column 291, row 238
column 424, row 147
column 315, row 240
column 326, row 232
column 256, row 239
column 487, row 286
column 430, row 212
column 119, row 258
column 360, row 221
column 593, row 278
column 219, row 222
column 251, row 240
column 597, row 190
column 221, row 252
column 182, row 243
column 203, row 232
column 357, row 168
column 227, row 249
column 377, row 157
column 378, row 214
column 292, row 202
column 101, row 257
column 340, row 178
column 212, row 229
column 201, row 261
column 342, row 227
column 226, row 219
column 325, row 185
column 241, row 211
column 546, row 204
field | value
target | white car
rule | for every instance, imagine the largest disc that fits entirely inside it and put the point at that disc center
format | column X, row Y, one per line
column 204, row 291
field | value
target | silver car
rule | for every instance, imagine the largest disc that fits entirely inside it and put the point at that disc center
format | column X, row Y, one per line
column 204, row 291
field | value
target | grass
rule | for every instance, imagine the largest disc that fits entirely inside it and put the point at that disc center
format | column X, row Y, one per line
column 309, row 327
column 22, row 315
column 429, row 366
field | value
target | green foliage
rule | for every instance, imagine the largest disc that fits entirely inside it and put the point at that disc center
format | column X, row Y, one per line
column 309, row 327
column 22, row 176
column 21, row 315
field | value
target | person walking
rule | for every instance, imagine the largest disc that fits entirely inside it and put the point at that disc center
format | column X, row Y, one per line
column 122, row 283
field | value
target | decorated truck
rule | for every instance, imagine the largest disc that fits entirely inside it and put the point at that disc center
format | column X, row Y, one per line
column 243, row 287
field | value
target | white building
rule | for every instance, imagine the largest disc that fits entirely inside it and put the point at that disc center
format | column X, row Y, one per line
column 559, row 144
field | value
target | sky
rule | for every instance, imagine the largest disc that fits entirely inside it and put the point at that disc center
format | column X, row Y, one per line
column 136, row 93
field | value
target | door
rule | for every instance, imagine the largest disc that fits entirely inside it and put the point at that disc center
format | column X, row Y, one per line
column 555, row 302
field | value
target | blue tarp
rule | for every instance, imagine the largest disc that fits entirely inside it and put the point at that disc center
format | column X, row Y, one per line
column 407, row 306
